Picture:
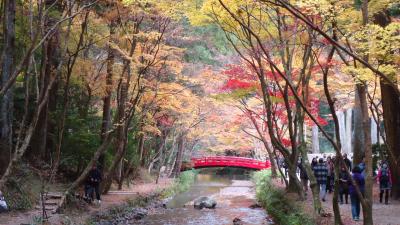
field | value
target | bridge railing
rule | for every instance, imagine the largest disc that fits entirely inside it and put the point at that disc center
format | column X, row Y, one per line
column 230, row 161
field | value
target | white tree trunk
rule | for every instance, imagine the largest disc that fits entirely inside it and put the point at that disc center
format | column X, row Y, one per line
column 374, row 132
column 342, row 129
column 348, row 143
column 315, row 139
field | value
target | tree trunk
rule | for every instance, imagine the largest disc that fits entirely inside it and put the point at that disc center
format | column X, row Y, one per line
column 335, row 200
column 315, row 139
column 391, row 117
column 391, row 114
column 7, row 68
column 106, row 121
column 313, row 181
column 358, row 137
column 179, row 156
column 347, row 146
column 50, row 62
column 362, row 91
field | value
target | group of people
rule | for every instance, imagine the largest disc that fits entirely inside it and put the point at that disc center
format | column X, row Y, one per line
column 325, row 176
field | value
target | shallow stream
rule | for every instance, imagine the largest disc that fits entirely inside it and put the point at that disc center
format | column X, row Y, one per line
column 234, row 194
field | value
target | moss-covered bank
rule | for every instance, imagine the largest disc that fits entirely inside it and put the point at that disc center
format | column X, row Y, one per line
column 278, row 205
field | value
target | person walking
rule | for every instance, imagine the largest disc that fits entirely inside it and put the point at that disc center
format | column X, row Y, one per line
column 303, row 176
column 321, row 173
column 347, row 161
column 314, row 163
column 384, row 180
column 343, row 185
column 329, row 178
column 93, row 183
column 354, row 198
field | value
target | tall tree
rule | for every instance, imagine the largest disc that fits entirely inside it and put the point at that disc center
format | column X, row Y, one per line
column 7, row 69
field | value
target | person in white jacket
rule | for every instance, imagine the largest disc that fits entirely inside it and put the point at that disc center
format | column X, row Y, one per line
column 3, row 203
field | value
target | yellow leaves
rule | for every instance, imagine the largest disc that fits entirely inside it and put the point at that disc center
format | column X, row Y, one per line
column 375, row 6
column 151, row 130
column 390, row 71
column 376, row 41
column 360, row 74
column 323, row 8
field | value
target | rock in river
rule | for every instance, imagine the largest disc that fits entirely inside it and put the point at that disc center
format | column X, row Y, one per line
column 237, row 221
column 204, row 202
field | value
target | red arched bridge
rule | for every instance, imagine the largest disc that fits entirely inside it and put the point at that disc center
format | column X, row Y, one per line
column 227, row 161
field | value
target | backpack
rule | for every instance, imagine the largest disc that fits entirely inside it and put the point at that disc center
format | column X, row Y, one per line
column 384, row 176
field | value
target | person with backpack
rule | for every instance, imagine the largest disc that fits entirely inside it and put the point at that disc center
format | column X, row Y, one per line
column 384, row 179
column 354, row 198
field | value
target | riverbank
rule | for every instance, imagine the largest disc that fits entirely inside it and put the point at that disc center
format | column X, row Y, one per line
column 135, row 209
column 279, row 204
column 82, row 212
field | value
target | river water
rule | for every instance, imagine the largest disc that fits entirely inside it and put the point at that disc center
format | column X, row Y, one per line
column 234, row 194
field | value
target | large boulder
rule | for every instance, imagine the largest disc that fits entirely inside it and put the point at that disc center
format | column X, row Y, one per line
column 204, row 202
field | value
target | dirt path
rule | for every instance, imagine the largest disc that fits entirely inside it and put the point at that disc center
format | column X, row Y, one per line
column 80, row 215
column 382, row 214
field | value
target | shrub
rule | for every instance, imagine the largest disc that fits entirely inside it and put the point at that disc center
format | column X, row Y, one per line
column 283, row 210
column 181, row 184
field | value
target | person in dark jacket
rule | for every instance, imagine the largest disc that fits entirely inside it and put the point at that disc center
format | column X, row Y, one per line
column 314, row 162
column 384, row 179
column 330, row 177
column 355, row 200
column 343, row 185
column 93, row 183
column 347, row 161
column 303, row 176
column 321, row 174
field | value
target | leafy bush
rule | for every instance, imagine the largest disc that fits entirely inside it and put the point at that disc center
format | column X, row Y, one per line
column 282, row 209
column 182, row 184
column 22, row 189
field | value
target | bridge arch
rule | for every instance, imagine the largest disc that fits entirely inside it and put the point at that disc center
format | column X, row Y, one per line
column 229, row 161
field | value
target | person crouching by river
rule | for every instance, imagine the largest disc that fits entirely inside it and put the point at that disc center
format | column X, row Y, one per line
column 93, row 184
column 355, row 200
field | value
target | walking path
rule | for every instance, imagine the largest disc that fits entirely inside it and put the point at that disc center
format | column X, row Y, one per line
column 382, row 214
column 80, row 215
